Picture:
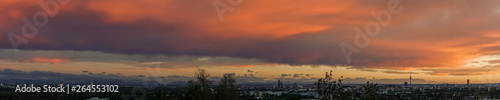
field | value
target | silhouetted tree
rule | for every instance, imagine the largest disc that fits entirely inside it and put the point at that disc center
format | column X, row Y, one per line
column 478, row 95
column 328, row 88
column 370, row 91
column 199, row 89
column 226, row 90
column 491, row 93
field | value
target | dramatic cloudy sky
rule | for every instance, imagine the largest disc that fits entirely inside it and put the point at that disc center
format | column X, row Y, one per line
column 445, row 41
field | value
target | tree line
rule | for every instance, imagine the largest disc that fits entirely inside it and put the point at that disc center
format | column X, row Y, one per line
column 199, row 89
column 327, row 88
column 331, row 89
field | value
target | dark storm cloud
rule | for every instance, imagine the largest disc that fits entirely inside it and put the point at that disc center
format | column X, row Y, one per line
column 414, row 38
column 134, row 60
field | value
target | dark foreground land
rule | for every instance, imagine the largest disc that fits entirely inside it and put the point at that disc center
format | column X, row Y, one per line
column 249, row 92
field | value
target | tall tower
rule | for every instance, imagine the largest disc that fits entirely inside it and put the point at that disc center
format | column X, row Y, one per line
column 279, row 84
column 468, row 82
column 410, row 78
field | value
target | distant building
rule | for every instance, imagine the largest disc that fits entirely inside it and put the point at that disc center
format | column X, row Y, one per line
column 406, row 83
column 279, row 84
column 468, row 82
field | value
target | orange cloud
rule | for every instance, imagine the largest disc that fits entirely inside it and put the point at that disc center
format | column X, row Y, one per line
column 53, row 61
column 270, row 19
column 427, row 34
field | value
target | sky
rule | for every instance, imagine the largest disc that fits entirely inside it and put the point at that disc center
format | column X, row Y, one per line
column 445, row 41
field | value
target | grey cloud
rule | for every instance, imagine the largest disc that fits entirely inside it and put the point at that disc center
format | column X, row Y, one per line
column 230, row 74
column 494, row 61
column 368, row 70
column 397, row 72
column 296, row 75
column 161, row 61
column 481, row 70
column 285, row 75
